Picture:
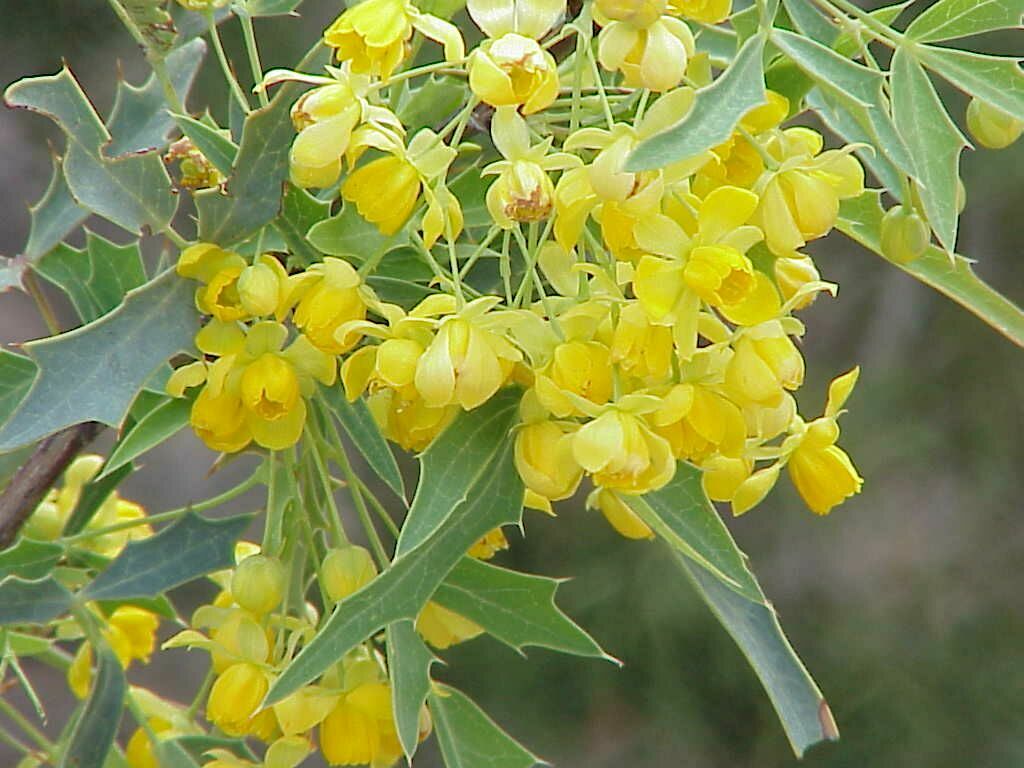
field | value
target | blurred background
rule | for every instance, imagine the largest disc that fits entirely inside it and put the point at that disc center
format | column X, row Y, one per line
column 905, row 603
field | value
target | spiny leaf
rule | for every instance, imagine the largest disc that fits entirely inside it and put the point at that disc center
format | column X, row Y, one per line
column 192, row 547
column 350, row 235
column 139, row 121
column 682, row 515
column 995, row 79
column 94, row 494
column 409, row 662
column 300, row 211
column 809, row 20
column 715, row 113
column 153, row 22
column 94, row 372
column 517, row 608
column 934, row 142
column 54, row 217
column 451, row 466
column 16, row 375
column 134, row 192
column 950, row 19
column 30, row 559
column 494, row 499
column 359, row 425
column 469, row 738
column 95, row 278
column 861, row 218
column 154, row 428
column 215, row 146
column 754, row 626
column 32, row 602
column 93, row 734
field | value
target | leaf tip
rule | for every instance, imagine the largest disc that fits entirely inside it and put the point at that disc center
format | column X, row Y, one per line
column 829, row 729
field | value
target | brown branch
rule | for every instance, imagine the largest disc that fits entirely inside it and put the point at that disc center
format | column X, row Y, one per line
column 35, row 477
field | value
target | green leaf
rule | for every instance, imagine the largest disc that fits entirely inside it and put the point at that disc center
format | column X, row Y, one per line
column 139, row 120
column 351, row 236
column 271, row 7
column 93, row 734
column 219, row 149
column 995, row 79
column 153, row 22
column 95, row 278
column 32, row 602
column 517, row 608
column 766, row 11
column 409, row 662
column 23, row 644
column 94, row 372
column 950, row 19
column 30, row 559
column 134, row 192
column 198, row 744
column 452, row 465
column 171, row 754
column 715, row 113
column 429, row 105
column 164, row 421
column 934, row 142
column 444, row 9
column 192, row 547
column 404, row 293
column 362, row 429
column 54, row 217
column 861, row 219
column 849, row 43
column 93, row 495
column 755, row 627
column 495, row 499
column 300, row 211
column 16, row 375
column 469, row 738
column 254, row 189
column 682, row 515
column 809, row 20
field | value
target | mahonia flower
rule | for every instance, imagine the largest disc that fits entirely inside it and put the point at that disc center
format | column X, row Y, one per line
column 346, row 570
column 992, row 127
column 443, row 628
column 510, row 68
column 327, row 296
column 704, row 11
column 374, row 35
column 131, row 634
column 651, row 49
column 545, row 460
column 233, row 289
column 618, row 514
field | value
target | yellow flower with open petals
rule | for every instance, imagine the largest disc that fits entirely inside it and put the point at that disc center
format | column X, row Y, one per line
column 360, row 730
column 623, row 453
column 545, row 461
column 514, row 70
column 649, row 48
column 326, row 296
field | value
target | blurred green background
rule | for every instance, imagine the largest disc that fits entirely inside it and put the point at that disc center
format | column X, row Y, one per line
column 905, row 603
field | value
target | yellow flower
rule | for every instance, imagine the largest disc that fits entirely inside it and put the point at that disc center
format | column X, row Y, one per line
column 346, row 570
column 302, row 711
column 384, row 191
column 235, row 698
column 992, row 127
column 131, row 633
column 412, row 424
column 752, row 491
column 704, row 11
column 623, row 454
column 618, row 514
column 581, row 368
column 722, row 475
column 699, row 422
column 904, row 235
column 467, row 362
column 514, row 71
column 765, row 364
column 232, row 289
column 361, row 728
column 443, row 628
column 489, row 545
column 544, row 459
column 257, row 584
column 793, row 273
column 720, row 275
column 139, row 751
column 326, row 296
column 650, row 55
column 374, row 35
column 639, row 347
column 325, row 118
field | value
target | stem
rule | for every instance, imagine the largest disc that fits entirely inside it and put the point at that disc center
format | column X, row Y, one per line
column 193, row 708
column 254, row 55
column 22, row 722
column 225, row 67
column 600, row 89
column 491, row 234
column 155, row 60
column 453, row 264
column 881, row 32
column 42, row 303
column 174, row 237
column 378, row 507
column 334, row 520
column 13, row 743
column 770, row 162
column 440, row 66
column 269, row 545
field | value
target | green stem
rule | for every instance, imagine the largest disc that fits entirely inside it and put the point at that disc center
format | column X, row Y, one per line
column 379, row 508
column 193, row 708
column 882, row 33
column 174, row 237
column 254, row 55
column 606, row 106
column 440, row 66
column 491, row 234
column 42, row 303
column 269, row 545
column 30, row 730
column 334, row 519
column 225, row 66
column 13, row 743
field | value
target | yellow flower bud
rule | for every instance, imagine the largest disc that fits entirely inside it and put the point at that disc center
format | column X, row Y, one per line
column 240, row 638
column 639, row 13
column 763, row 366
column 824, row 476
column 411, row 423
column 794, row 272
column 580, row 367
column 704, row 11
column 384, row 192
column 261, row 286
column 139, row 751
column 544, row 458
column 619, row 516
column 131, row 631
column 651, row 56
column 258, row 584
column 346, row 570
column 992, row 127
column 514, row 70
column 219, row 421
column 46, row 522
column 722, row 475
column 622, row 453
column 443, row 628
column 235, row 696
column 328, row 295
column 904, row 235
column 752, row 491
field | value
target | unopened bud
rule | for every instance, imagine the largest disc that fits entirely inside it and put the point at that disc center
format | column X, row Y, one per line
column 904, row 235
column 346, row 570
column 992, row 127
column 258, row 584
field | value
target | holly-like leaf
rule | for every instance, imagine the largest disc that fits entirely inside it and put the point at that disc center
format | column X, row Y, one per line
column 754, row 626
column 30, row 559
column 811, row 21
column 54, row 217
column 134, row 192
column 715, row 113
column 94, row 732
column 359, row 425
column 216, row 147
column 164, row 421
column 139, row 121
column 153, row 22
column 861, row 219
column 300, row 211
column 495, row 498
column 934, row 142
column 192, row 547
column 95, row 278
column 517, row 608
column 350, row 235
column 469, row 738
column 950, row 19
column 995, row 79
column 94, row 494
column 409, row 662
column 93, row 373
column 32, row 602
column 681, row 514
column 452, row 465
column 16, row 375
column 430, row 104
